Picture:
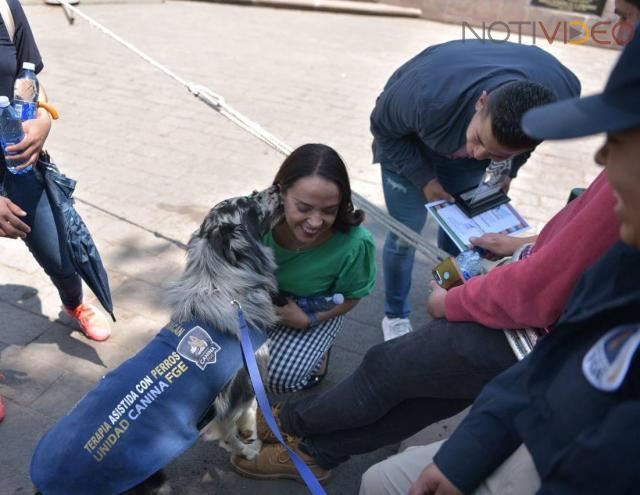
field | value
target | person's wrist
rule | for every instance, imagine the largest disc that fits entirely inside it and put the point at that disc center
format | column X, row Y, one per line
column 43, row 115
column 517, row 243
column 49, row 109
column 440, row 305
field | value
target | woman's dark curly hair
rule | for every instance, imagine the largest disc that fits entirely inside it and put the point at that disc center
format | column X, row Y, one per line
column 320, row 160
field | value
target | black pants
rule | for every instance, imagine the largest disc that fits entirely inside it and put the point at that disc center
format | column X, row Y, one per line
column 400, row 387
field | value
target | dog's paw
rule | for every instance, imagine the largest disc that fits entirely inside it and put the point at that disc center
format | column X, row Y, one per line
column 211, row 432
column 247, row 436
column 226, row 446
column 251, row 450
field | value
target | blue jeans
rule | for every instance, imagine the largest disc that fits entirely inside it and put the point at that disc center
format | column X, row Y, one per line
column 405, row 202
column 43, row 241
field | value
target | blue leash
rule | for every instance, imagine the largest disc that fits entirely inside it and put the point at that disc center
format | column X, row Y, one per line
column 252, row 367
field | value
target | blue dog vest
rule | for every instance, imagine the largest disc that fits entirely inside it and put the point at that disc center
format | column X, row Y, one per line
column 141, row 416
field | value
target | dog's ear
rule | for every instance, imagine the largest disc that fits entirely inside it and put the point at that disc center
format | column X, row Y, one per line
column 252, row 223
column 221, row 238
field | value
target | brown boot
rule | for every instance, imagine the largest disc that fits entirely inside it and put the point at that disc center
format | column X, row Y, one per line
column 273, row 462
column 263, row 431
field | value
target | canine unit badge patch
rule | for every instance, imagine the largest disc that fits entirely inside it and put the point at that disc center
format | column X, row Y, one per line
column 606, row 364
column 198, row 347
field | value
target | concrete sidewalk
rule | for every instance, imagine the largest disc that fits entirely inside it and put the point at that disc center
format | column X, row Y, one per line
column 151, row 160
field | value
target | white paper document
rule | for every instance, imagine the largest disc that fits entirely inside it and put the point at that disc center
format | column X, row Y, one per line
column 503, row 219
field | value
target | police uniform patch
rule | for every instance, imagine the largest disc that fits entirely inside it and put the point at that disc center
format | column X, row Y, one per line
column 607, row 362
column 198, row 347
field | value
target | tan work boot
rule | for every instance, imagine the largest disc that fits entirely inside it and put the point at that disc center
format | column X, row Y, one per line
column 273, row 462
column 263, row 431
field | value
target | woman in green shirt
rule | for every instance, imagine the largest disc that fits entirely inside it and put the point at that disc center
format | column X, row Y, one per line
column 320, row 249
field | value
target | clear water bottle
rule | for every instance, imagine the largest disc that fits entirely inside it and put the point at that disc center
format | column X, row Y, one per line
column 470, row 263
column 10, row 133
column 314, row 304
column 25, row 92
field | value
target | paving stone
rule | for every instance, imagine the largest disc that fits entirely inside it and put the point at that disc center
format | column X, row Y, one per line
column 25, row 379
column 19, row 434
column 17, row 327
column 67, row 389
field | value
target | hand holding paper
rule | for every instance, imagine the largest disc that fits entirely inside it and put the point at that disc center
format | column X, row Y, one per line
column 460, row 228
column 498, row 246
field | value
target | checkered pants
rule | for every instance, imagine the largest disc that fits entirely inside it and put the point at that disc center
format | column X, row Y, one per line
column 296, row 354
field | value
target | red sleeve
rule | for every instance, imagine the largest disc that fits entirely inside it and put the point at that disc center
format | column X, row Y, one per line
column 534, row 291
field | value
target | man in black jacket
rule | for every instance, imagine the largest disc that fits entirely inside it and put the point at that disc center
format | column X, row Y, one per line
column 442, row 117
column 565, row 419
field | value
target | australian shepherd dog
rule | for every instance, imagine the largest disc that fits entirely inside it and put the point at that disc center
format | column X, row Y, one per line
column 153, row 407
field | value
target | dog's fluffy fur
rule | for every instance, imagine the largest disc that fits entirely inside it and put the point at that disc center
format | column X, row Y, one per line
column 226, row 261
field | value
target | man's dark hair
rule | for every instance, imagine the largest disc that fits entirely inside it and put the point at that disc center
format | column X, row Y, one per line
column 507, row 104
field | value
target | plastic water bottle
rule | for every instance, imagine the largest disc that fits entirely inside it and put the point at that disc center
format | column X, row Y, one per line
column 315, row 304
column 470, row 263
column 25, row 92
column 11, row 133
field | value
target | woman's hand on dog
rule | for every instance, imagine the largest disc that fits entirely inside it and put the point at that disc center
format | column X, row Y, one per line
column 291, row 315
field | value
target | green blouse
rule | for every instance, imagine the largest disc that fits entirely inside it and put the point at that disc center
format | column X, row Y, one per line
column 343, row 264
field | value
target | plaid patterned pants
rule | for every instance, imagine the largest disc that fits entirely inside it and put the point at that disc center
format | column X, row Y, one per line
column 296, row 354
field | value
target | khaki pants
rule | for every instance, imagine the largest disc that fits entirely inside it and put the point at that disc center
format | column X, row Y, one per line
column 394, row 476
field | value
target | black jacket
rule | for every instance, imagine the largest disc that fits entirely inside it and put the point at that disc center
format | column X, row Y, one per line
column 427, row 104
column 571, row 402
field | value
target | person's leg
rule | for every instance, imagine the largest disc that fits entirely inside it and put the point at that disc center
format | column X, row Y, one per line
column 445, row 364
column 515, row 476
column 46, row 247
column 43, row 241
column 401, row 422
column 396, row 474
column 294, row 354
column 405, row 202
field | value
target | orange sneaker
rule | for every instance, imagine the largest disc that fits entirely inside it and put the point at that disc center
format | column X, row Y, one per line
column 92, row 322
column 1, row 410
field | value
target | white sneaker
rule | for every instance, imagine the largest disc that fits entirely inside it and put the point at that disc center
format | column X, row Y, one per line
column 395, row 327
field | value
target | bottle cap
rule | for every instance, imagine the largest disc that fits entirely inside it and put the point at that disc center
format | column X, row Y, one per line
column 29, row 66
column 4, row 102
